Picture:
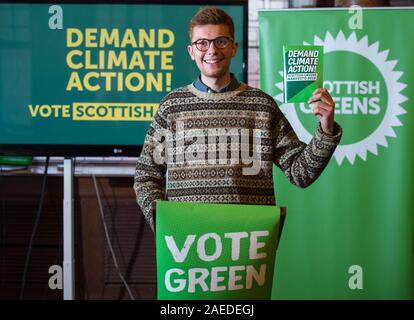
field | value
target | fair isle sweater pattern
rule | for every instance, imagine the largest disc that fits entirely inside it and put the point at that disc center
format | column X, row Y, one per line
column 224, row 181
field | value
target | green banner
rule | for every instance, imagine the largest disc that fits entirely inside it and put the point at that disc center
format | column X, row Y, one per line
column 215, row 251
column 350, row 234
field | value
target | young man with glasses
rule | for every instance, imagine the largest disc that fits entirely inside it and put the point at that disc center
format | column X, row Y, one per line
column 201, row 169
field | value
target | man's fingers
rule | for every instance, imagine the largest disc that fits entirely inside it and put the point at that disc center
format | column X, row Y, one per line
column 321, row 111
column 318, row 90
column 324, row 106
column 316, row 111
column 317, row 97
column 324, row 109
column 321, row 94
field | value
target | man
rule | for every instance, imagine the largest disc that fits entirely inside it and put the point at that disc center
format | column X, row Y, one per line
column 218, row 103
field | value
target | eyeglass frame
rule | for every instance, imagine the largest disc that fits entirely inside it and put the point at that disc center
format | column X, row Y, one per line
column 210, row 41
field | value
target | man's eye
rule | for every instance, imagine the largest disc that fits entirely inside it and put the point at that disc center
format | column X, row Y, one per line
column 202, row 43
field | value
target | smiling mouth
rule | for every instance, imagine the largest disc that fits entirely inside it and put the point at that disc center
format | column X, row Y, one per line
column 212, row 61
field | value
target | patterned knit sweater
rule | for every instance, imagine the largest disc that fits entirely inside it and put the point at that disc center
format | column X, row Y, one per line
column 203, row 144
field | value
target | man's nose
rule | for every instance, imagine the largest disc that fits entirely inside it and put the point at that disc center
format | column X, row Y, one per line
column 212, row 48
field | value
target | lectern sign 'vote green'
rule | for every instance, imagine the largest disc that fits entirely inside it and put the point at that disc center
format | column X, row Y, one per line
column 215, row 251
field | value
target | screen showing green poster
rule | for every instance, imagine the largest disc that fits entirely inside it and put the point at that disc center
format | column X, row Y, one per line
column 350, row 234
column 215, row 251
column 94, row 73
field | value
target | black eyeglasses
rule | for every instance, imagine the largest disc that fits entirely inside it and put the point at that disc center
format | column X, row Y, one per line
column 219, row 42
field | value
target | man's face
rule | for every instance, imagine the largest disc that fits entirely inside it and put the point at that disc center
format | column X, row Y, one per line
column 214, row 63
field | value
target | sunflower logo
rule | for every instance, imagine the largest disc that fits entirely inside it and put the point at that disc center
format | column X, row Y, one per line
column 370, row 104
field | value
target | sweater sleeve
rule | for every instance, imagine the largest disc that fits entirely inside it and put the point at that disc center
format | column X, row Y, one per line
column 149, row 179
column 303, row 163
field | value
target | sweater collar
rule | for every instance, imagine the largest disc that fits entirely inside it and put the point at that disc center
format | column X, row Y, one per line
column 233, row 85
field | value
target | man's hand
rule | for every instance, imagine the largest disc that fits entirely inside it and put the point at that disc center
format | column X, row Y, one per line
column 324, row 108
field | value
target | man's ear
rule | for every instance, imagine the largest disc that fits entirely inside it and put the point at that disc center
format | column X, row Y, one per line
column 235, row 46
column 190, row 52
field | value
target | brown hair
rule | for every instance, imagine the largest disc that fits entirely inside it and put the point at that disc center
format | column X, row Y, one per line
column 211, row 15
